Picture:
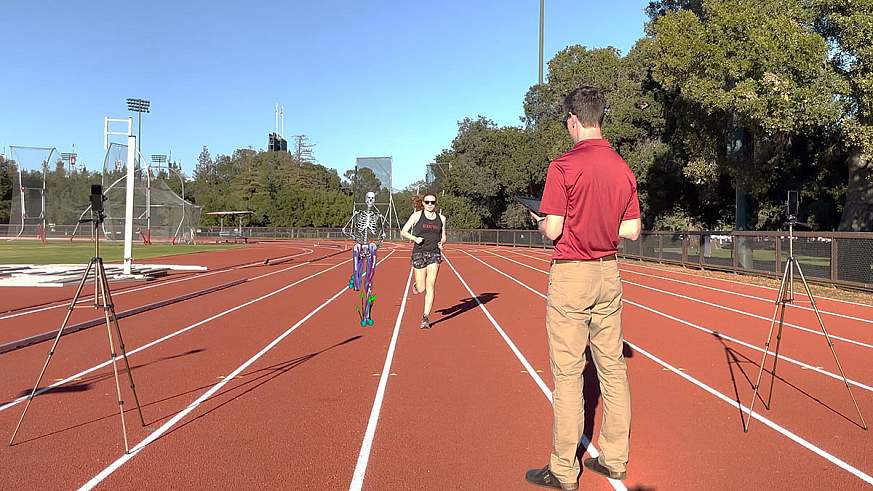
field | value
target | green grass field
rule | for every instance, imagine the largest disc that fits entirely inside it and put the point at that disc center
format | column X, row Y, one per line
column 33, row 252
column 760, row 255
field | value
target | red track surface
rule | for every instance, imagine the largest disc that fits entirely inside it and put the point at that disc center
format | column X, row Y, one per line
column 459, row 409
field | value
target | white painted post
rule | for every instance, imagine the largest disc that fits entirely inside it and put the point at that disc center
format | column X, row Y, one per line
column 128, row 204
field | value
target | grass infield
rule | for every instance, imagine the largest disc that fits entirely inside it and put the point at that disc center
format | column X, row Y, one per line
column 35, row 252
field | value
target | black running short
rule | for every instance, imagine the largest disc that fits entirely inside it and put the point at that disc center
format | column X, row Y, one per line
column 422, row 259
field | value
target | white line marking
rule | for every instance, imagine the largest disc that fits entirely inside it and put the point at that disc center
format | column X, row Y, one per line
column 749, row 314
column 367, row 445
column 171, row 335
column 206, row 395
column 637, row 263
column 85, row 299
column 700, row 328
column 744, row 295
column 592, row 451
column 774, row 426
column 779, row 429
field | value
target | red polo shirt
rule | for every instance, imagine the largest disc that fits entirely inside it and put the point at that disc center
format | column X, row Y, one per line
column 593, row 188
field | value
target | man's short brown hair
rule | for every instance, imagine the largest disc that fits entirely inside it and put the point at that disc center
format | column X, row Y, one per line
column 587, row 104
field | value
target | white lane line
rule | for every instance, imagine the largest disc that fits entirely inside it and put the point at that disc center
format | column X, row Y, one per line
column 85, row 299
column 731, row 402
column 749, row 314
column 171, row 335
column 592, row 451
column 206, row 395
column 774, row 426
column 638, row 263
column 747, row 345
column 709, row 331
column 367, row 444
column 744, row 295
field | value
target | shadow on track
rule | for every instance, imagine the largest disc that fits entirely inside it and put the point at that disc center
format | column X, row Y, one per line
column 591, row 393
column 88, row 383
column 465, row 305
column 265, row 375
column 734, row 360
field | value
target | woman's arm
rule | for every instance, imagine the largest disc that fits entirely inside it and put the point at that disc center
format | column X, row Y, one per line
column 406, row 233
column 443, row 239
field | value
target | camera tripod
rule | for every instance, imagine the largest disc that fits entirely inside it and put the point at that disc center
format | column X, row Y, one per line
column 786, row 296
column 102, row 300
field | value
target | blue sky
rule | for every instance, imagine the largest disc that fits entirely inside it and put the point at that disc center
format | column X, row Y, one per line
column 359, row 78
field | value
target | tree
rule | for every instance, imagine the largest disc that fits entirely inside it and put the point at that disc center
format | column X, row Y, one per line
column 747, row 77
column 846, row 25
column 5, row 190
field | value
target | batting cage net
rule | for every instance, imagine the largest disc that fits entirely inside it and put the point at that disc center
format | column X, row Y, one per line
column 45, row 194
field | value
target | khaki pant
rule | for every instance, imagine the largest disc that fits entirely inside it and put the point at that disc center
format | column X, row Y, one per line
column 584, row 307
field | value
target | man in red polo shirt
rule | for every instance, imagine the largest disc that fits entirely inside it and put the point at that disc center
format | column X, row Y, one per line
column 590, row 202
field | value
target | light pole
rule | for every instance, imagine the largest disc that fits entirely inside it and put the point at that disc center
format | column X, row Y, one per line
column 542, row 22
column 138, row 106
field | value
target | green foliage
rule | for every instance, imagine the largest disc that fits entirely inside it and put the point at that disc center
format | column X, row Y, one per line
column 461, row 212
column 281, row 190
column 5, row 190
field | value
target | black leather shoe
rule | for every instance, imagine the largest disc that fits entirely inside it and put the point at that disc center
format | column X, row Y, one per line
column 544, row 477
column 596, row 466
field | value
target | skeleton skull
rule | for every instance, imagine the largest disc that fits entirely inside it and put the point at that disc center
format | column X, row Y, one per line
column 371, row 198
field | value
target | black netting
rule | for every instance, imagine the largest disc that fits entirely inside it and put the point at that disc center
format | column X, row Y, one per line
column 854, row 260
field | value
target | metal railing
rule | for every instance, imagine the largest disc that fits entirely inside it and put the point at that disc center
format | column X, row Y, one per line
column 836, row 258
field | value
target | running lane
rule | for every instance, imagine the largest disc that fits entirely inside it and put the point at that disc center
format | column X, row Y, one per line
column 676, row 424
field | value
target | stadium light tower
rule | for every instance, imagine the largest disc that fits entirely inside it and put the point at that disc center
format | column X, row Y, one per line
column 138, row 106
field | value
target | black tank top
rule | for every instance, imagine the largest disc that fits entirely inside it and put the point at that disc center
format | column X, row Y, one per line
column 429, row 230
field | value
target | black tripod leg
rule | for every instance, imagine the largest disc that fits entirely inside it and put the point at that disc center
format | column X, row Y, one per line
column 54, row 346
column 101, row 278
column 831, row 345
column 122, row 349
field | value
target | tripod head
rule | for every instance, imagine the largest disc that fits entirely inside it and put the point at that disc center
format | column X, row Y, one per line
column 791, row 206
column 97, row 198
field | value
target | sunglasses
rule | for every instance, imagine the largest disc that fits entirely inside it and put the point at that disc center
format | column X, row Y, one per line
column 429, row 201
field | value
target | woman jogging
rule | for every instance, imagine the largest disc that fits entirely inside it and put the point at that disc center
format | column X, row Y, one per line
column 426, row 227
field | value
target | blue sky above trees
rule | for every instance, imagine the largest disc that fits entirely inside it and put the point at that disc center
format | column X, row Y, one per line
column 391, row 78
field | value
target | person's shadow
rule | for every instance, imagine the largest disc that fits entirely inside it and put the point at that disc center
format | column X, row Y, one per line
column 591, row 396
column 464, row 305
column 591, row 392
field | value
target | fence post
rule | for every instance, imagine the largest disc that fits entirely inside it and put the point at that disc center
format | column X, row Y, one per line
column 734, row 249
column 779, row 255
column 660, row 247
column 835, row 265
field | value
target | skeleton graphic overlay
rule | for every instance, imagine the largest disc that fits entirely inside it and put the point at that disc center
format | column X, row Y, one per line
column 367, row 228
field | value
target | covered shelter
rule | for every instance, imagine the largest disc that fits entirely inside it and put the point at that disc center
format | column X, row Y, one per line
column 236, row 234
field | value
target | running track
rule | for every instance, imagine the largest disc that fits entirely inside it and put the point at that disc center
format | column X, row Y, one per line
column 271, row 383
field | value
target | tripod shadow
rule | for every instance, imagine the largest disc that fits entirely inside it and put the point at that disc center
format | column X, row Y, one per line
column 267, row 374
column 264, row 376
column 87, row 383
column 737, row 359
column 465, row 305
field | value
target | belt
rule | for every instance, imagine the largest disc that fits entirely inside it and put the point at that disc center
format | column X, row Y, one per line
column 610, row 257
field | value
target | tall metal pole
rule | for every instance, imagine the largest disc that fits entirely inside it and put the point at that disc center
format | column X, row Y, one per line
column 128, row 205
column 542, row 22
